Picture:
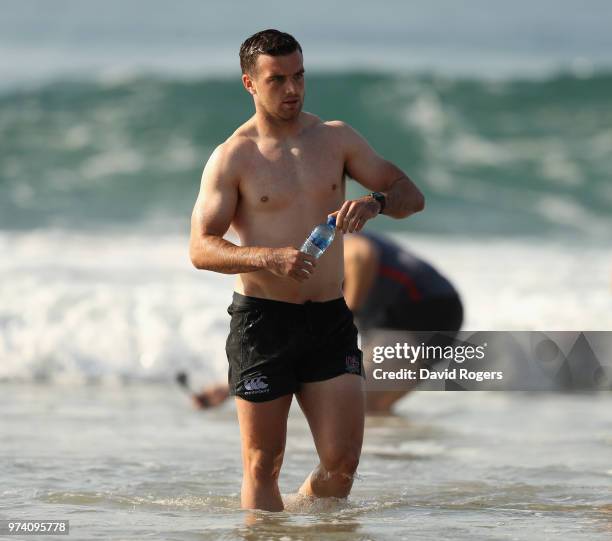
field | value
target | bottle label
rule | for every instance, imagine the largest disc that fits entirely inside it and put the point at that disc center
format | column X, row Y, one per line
column 319, row 242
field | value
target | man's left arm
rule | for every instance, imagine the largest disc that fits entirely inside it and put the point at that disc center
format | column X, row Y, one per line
column 366, row 166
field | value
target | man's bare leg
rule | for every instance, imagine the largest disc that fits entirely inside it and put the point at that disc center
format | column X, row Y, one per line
column 334, row 409
column 263, row 432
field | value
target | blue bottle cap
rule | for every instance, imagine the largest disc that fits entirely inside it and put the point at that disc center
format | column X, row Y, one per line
column 331, row 221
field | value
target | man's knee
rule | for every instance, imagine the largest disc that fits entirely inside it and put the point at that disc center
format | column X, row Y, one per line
column 264, row 465
column 342, row 464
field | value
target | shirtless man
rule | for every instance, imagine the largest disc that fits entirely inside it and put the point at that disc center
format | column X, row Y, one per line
column 277, row 176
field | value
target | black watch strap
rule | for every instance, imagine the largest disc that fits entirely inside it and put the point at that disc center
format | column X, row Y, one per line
column 381, row 198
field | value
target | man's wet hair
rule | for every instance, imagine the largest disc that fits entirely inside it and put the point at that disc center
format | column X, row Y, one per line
column 271, row 42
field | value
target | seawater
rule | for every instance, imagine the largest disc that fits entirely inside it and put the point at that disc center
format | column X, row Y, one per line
column 134, row 461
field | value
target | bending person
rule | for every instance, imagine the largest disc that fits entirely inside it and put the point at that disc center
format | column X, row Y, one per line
column 388, row 288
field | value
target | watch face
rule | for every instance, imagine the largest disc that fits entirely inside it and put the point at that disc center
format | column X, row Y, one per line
column 380, row 198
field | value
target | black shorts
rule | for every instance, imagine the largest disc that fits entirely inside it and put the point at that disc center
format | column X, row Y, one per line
column 274, row 346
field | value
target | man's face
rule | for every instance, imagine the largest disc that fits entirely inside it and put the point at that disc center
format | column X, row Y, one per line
column 278, row 84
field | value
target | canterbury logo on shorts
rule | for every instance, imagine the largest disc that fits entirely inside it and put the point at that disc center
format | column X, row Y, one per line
column 256, row 385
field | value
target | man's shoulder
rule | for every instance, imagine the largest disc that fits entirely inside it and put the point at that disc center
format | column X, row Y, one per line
column 242, row 140
column 339, row 127
column 339, row 130
column 234, row 148
column 336, row 124
column 226, row 162
column 334, row 127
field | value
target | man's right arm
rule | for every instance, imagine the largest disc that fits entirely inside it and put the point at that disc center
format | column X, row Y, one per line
column 212, row 215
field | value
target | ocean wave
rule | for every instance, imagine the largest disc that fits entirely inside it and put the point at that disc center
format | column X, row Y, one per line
column 92, row 154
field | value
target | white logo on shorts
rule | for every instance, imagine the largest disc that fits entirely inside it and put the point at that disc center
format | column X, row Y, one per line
column 256, row 384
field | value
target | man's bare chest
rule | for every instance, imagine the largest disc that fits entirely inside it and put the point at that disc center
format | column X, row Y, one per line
column 278, row 176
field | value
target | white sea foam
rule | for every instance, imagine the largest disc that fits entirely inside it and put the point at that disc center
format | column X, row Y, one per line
column 133, row 307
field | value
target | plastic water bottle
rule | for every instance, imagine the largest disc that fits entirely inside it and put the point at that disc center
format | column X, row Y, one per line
column 320, row 238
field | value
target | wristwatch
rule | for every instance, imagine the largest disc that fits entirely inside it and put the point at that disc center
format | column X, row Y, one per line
column 381, row 198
